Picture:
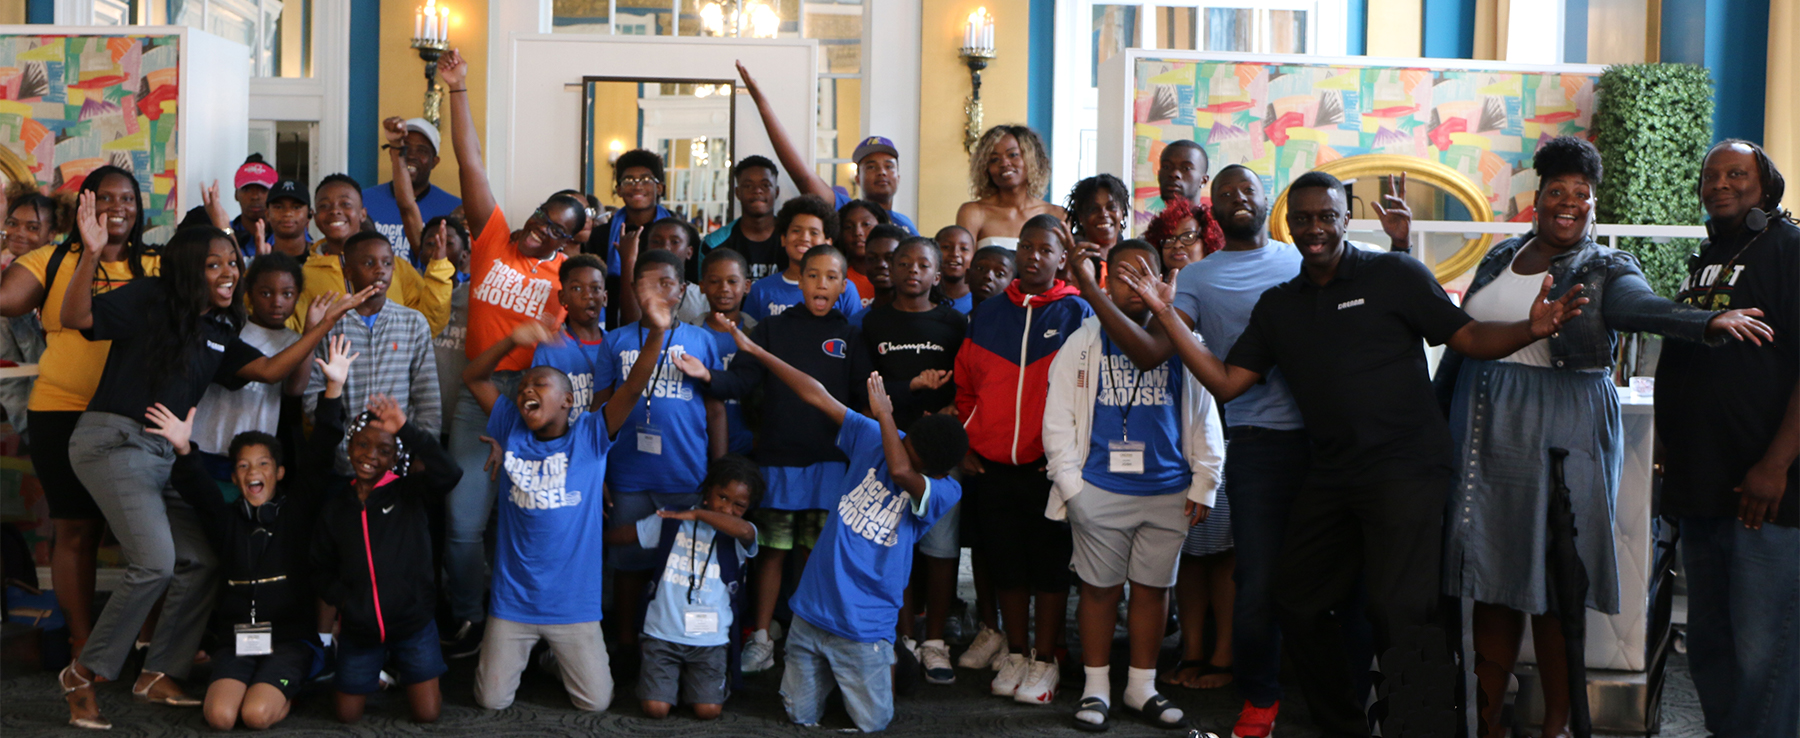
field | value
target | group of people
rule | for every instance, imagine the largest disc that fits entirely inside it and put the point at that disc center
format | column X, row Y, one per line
column 299, row 443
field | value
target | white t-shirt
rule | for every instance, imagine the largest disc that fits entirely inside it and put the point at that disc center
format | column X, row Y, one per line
column 224, row 413
column 1507, row 299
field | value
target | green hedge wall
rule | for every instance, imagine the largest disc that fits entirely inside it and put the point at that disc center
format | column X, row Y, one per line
column 1653, row 125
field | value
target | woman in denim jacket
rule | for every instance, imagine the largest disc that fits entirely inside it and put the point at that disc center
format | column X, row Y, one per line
column 1557, row 392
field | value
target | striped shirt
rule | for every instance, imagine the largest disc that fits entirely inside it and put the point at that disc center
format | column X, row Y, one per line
column 397, row 360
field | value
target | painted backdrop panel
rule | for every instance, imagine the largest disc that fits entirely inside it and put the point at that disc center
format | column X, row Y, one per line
column 71, row 104
column 1281, row 120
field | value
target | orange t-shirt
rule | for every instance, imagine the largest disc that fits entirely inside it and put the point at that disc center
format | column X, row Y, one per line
column 507, row 288
column 864, row 289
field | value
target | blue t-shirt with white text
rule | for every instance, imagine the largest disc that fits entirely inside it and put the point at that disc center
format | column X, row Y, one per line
column 579, row 360
column 742, row 441
column 1147, row 406
column 853, row 583
column 384, row 211
column 690, row 582
column 773, row 294
column 1219, row 292
column 547, row 555
column 672, row 403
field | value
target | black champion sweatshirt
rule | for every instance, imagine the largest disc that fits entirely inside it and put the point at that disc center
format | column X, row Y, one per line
column 825, row 347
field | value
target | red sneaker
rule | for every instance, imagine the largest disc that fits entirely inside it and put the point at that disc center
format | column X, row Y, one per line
column 1256, row 722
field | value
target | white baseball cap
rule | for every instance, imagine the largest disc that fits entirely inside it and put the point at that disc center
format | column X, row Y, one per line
column 426, row 128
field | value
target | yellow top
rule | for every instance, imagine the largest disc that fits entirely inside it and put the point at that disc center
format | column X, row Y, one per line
column 70, row 369
column 428, row 293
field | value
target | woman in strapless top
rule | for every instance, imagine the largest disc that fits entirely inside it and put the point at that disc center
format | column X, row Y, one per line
column 1008, row 174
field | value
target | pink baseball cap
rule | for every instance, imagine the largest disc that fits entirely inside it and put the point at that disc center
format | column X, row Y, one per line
column 255, row 172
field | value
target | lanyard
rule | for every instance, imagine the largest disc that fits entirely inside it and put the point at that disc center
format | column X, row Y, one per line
column 1130, row 397
column 697, row 577
column 655, row 372
column 1724, row 275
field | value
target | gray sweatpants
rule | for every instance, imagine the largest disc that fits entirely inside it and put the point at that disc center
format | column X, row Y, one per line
column 580, row 658
column 165, row 547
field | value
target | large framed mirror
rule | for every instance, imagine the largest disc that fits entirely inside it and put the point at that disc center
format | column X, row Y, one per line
column 690, row 123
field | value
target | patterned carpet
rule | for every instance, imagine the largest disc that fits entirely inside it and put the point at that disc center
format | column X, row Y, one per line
column 32, row 708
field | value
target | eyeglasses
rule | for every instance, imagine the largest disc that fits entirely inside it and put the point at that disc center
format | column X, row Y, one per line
column 555, row 231
column 638, row 181
column 1186, row 239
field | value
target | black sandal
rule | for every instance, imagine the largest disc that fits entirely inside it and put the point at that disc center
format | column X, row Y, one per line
column 1094, row 704
column 1208, row 669
column 1154, row 709
column 1181, row 666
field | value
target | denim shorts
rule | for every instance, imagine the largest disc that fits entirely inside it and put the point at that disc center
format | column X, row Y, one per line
column 415, row 658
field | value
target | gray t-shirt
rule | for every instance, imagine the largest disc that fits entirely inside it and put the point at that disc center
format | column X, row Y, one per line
column 1219, row 292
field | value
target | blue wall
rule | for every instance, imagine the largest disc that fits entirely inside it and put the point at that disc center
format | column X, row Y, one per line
column 1575, row 31
column 1041, row 75
column 40, row 11
column 1448, row 30
column 365, row 90
column 1357, row 27
column 1730, row 38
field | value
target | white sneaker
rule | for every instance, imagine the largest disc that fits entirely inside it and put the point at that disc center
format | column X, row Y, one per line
column 1039, row 685
column 986, row 652
column 936, row 658
column 759, row 653
column 1012, row 671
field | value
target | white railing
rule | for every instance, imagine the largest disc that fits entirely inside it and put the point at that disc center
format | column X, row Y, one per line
column 1606, row 233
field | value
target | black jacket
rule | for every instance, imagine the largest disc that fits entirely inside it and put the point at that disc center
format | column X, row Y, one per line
column 826, row 348
column 259, row 544
column 397, row 546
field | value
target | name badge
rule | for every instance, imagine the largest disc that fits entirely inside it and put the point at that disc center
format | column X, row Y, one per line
column 1125, row 457
column 254, row 639
column 649, row 440
column 698, row 621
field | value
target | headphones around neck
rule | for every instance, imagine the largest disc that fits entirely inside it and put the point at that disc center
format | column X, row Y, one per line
column 263, row 514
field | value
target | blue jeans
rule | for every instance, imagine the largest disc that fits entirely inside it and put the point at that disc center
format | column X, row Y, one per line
column 468, row 506
column 1266, row 468
column 415, row 658
column 1743, row 644
column 818, row 661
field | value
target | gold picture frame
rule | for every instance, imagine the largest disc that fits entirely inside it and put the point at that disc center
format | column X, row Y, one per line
column 14, row 167
column 1422, row 170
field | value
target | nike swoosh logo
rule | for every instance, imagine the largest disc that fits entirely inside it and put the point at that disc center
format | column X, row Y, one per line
column 386, row 510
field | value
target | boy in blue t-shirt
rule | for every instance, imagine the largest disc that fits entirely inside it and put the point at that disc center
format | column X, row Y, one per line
column 724, row 280
column 583, row 297
column 848, row 601
column 547, row 583
column 803, row 222
column 687, row 624
column 675, row 430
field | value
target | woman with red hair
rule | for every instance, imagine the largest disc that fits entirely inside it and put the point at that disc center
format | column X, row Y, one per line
column 1185, row 232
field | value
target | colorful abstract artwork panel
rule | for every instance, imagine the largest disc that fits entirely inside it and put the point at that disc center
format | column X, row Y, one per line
column 1282, row 119
column 72, row 104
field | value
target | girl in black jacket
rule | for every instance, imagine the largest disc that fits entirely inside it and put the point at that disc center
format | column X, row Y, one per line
column 264, row 615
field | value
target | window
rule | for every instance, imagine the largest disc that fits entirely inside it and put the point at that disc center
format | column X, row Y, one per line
column 837, row 24
column 1104, row 29
column 277, row 31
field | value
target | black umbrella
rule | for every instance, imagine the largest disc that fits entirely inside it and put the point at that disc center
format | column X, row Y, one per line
column 1568, row 582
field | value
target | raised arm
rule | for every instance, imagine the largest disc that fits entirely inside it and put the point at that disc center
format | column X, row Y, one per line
column 1225, row 381
column 899, row 462
column 78, row 299
column 800, row 382
column 1147, row 348
column 188, row 476
column 430, row 462
column 479, row 374
column 730, row 525
column 321, row 316
column 1490, row 340
column 659, row 318
column 478, row 197
column 797, row 167
column 412, row 221
column 718, row 431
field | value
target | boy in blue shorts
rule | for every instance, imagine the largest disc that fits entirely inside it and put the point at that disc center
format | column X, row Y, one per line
column 689, row 642
column 848, row 600
column 583, row 297
column 671, row 434
column 547, row 579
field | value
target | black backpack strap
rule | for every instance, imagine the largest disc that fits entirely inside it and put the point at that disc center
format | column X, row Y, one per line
column 671, row 528
column 732, row 572
column 55, row 265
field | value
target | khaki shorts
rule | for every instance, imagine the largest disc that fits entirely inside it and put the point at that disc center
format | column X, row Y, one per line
column 1127, row 537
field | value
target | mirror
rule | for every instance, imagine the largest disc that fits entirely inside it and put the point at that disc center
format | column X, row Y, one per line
column 1434, row 191
column 688, row 122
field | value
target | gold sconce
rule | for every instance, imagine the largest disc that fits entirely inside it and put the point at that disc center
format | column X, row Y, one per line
column 431, row 36
column 977, row 51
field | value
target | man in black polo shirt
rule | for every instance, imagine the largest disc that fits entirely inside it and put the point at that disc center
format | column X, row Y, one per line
column 1347, row 334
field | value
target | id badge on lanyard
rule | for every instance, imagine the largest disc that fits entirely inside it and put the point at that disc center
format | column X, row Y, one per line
column 254, row 639
column 1125, row 457
column 699, row 621
column 649, row 439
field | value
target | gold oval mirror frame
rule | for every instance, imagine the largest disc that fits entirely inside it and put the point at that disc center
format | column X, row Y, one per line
column 14, row 168
column 1430, row 172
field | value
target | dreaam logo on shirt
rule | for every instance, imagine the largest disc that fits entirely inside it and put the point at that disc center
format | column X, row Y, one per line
column 682, row 556
column 538, row 484
column 873, row 511
column 505, row 287
column 668, row 382
column 1120, row 383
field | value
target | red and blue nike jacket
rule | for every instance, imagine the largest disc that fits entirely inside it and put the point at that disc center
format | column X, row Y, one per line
column 1003, row 368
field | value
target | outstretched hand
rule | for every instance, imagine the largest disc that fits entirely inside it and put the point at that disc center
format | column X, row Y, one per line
column 87, row 220
column 1157, row 293
column 1396, row 215
column 1741, row 325
column 692, row 366
column 532, row 333
column 394, row 129
column 177, row 430
column 336, row 368
column 215, row 208
column 749, row 81
column 388, row 416
column 327, row 308
column 453, row 69
column 1547, row 315
column 263, row 247
column 880, row 405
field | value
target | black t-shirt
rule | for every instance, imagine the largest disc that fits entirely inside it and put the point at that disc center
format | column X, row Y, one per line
column 1352, row 354
column 123, row 316
column 903, row 344
column 766, row 257
column 1718, row 407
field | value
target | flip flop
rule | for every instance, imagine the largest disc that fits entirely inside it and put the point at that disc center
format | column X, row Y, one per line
column 1157, row 706
column 1094, row 704
column 1209, row 669
column 1181, row 666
